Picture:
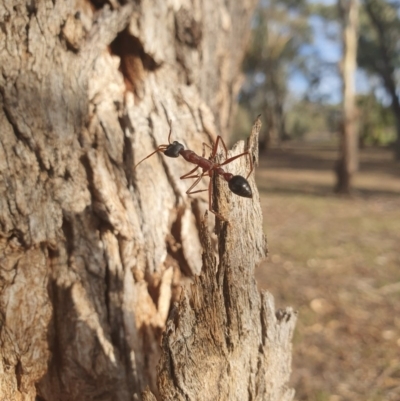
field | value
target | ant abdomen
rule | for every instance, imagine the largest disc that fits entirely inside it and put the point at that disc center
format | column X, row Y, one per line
column 240, row 186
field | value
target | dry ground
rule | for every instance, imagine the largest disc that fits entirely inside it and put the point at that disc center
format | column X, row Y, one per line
column 337, row 261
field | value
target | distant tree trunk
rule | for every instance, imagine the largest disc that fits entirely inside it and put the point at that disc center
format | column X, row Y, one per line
column 274, row 105
column 396, row 111
column 347, row 164
column 386, row 69
column 93, row 252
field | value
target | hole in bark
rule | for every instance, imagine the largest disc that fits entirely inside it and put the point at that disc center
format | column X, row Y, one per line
column 134, row 60
column 99, row 3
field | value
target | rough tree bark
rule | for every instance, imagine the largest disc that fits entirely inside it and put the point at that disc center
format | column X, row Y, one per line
column 92, row 252
column 225, row 341
column 347, row 164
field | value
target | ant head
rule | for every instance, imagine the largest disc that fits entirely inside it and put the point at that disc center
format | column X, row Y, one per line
column 173, row 149
column 240, row 186
column 170, row 150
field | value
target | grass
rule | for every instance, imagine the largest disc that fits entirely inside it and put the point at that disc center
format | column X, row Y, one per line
column 337, row 261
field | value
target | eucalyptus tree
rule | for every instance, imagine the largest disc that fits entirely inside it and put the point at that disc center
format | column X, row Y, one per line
column 347, row 163
column 379, row 50
column 280, row 29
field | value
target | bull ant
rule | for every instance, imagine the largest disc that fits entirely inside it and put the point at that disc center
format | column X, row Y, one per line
column 237, row 184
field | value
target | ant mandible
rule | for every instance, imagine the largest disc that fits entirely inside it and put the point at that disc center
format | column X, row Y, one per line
column 237, row 184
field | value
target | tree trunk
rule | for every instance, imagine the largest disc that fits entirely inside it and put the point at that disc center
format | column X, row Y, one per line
column 225, row 341
column 347, row 164
column 396, row 112
column 93, row 252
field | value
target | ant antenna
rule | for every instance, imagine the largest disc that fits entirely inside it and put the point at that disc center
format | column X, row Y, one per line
column 170, row 131
column 161, row 148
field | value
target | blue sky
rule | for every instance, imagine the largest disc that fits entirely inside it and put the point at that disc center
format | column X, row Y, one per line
column 327, row 50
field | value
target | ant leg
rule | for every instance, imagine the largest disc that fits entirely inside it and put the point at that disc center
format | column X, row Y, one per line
column 187, row 175
column 190, row 192
column 214, row 152
column 231, row 159
column 198, row 191
column 204, row 148
column 209, row 189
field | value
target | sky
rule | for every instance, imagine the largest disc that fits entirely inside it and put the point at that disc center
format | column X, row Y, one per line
column 327, row 50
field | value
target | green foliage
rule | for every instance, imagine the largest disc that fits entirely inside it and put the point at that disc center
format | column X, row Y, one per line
column 278, row 32
column 280, row 28
column 378, row 54
column 312, row 120
column 378, row 50
column 327, row 11
column 377, row 125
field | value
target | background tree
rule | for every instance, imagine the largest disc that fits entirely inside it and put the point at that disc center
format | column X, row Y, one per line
column 378, row 50
column 347, row 164
column 279, row 29
column 376, row 121
column 93, row 253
